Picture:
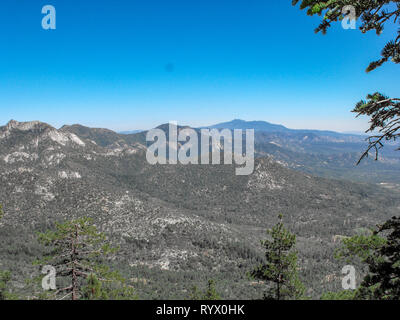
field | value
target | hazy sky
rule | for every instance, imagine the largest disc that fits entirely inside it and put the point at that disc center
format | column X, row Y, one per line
column 136, row 64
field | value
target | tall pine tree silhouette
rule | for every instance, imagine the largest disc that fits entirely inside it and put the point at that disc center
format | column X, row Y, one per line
column 279, row 270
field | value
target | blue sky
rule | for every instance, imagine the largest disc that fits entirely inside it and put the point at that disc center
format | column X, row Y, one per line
column 135, row 64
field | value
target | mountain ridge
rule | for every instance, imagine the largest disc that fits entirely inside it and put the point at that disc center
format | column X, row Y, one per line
column 185, row 222
column 333, row 156
column 259, row 125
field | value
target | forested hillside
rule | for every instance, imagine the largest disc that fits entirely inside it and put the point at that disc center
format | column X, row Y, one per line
column 176, row 226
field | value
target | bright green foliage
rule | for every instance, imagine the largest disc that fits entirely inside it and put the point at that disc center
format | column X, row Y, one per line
column 384, row 112
column 341, row 295
column 279, row 270
column 93, row 289
column 209, row 294
column 357, row 249
column 5, row 291
column 383, row 279
column 5, row 277
column 361, row 247
column 77, row 249
column 102, row 290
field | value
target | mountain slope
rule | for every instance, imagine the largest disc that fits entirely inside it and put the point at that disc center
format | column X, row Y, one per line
column 102, row 137
column 186, row 223
column 322, row 153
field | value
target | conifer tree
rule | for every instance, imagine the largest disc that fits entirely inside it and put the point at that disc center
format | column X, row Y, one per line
column 383, row 111
column 359, row 248
column 209, row 294
column 77, row 250
column 382, row 257
column 279, row 270
column 383, row 279
column 380, row 253
column 356, row 250
column 96, row 289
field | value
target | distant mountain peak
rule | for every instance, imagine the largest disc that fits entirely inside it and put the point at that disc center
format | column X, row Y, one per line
column 35, row 132
column 256, row 125
column 81, row 129
column 25, row 126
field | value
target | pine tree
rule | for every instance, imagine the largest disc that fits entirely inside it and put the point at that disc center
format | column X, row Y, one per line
column 209, row 294
column 107, row 290
column 380, row 253
column 93, row 289
column 356, row 250
column 279, row 271
column 77, row 250
column 383, row 260
column 383, row 279
column 384, row 112
column 359, row 248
